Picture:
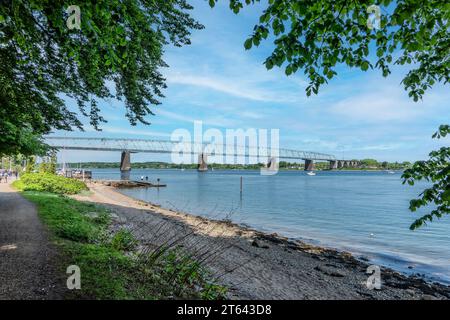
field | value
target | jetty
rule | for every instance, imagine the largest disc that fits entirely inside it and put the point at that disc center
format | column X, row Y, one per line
column 129, row 184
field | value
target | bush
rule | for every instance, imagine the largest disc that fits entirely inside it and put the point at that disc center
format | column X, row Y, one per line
column 49, row 183
column 123, row 240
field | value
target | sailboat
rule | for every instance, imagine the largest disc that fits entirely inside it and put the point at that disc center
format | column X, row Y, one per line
column 311, row 173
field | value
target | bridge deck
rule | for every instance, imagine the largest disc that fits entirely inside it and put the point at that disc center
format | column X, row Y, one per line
column 167, row 146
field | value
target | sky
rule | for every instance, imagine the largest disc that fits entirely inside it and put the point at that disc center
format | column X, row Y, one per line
column 215, row 80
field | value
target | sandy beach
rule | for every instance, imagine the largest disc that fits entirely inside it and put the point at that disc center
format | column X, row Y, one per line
column 255, row 265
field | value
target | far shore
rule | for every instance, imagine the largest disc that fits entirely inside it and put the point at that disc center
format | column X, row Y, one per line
column 247, row 169
column 257, row 265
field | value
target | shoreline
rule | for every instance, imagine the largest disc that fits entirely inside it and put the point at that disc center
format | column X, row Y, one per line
column 275, row 267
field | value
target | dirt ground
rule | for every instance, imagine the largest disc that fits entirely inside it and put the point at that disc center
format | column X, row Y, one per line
column 28, row 260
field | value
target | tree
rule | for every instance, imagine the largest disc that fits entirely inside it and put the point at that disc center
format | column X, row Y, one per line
column 437, row 171
column 48, row 163
column 116, row 53
column 406, row 164
column 16, row 139
column 369, row 162
column 30, row 164
column 316, row 36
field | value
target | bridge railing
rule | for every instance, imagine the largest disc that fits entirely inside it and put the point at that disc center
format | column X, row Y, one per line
column 167, row 146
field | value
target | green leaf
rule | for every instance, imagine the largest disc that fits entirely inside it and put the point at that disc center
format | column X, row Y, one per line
column 446, row 196
column 364, row 66
column 380, row 52
column 269, row 64
column 288, row 70
column 248, row 43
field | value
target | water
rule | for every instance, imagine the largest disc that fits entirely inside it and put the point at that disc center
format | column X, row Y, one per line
column 365, row 213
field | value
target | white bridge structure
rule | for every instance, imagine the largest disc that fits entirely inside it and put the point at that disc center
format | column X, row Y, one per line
column 128, row 146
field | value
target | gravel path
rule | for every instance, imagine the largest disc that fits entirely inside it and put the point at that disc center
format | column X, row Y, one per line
column 28, row 260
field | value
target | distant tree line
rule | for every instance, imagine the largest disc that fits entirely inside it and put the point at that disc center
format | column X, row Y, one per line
column 370, row 164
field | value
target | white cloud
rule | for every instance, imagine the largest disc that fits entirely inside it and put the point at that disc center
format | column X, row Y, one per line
column 138, row 132
column 377, row 103
column 232, row 86
column 381, row 147
column 213, row 121
column 377, row 106
column 250, row 114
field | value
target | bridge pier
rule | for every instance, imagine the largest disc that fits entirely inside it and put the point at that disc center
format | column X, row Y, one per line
column 271, row 167
column 355, row 164
column 202, row 164
column 272, row 164
column 125, row 165
column 309, row 165
column 333, row 164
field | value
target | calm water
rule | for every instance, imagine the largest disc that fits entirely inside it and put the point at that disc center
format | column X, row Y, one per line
column 362, row 212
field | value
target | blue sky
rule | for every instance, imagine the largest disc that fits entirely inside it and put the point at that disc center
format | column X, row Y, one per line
column 358, row 114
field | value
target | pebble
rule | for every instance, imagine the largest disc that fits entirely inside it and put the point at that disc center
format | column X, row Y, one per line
column 330, row 272
column 428, row 297
column 364, row 258
column 92, row 215
column 410, row 291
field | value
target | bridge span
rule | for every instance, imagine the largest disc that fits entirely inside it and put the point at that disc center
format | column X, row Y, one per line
column 202, row 150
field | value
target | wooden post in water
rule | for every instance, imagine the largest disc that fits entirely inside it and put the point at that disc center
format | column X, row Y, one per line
column 241, row 185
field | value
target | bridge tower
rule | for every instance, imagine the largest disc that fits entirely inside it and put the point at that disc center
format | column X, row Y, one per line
column 125, row 165
column 333, row 164
column 309, row 165
column 202, row 164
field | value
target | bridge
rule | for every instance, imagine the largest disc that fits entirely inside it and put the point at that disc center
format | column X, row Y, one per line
column 202, row 150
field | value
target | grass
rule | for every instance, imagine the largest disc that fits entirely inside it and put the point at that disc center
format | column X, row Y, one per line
column 111, row 267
